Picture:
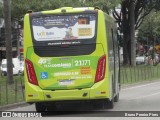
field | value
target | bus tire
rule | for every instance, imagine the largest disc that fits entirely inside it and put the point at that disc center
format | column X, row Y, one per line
column 116, row 98
column 98, row 105
column 110, row 104
column 40, row 107
column 52, row 108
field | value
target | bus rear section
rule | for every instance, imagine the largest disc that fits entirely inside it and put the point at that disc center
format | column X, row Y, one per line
column 65, row 58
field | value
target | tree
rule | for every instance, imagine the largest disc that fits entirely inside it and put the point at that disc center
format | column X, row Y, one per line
column 142, row 8
column 150, row 29
column 132, row 32
column 20, row 7
column 105, row 5
column 1, row 6
column 124, row 18
column 7, row 18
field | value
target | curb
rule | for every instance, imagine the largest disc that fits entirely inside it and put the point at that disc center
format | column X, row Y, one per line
column 139, row 83
column 12, row 106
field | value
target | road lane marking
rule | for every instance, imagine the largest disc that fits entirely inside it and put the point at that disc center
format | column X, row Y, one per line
column 137, row 86
column 141, row 97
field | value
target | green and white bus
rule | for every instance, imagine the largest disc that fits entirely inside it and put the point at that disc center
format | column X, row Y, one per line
column 71, row 54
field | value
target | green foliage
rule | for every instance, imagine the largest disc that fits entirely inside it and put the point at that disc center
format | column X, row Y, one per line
column 71, row 3
column 150, row 27
column 156, row 4
column 1, row 6
column 105, row 5
column 10, row 94
column 157, row 24
column 20, row 7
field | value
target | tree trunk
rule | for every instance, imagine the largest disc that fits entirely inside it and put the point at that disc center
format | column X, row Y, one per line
column 132, row 31
column 125, row 33
column 7, row 18
column 126, row 51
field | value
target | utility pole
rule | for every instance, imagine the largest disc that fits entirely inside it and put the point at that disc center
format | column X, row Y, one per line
column 7, row 18
column 132, row 32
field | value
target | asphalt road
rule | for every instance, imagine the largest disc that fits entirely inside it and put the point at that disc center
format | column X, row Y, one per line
column 142, row 97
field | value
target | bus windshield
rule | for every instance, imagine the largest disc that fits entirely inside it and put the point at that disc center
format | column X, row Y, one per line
column 64, row 27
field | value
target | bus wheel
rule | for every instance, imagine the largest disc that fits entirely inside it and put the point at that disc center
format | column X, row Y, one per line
column 98, row 104
column 110, row 104
column 51, row 108
column 40, row 107
column 116, row 98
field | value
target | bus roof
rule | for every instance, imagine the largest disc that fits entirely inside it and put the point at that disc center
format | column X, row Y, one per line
column 68, row 10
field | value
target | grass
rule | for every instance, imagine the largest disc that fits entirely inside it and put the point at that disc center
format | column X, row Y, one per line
column 13, row 93
column 139, row 73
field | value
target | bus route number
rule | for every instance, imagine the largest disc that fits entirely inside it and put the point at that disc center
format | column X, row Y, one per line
column 82, row 63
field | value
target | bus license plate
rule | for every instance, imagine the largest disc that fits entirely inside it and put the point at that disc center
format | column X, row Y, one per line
column 65, row 82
